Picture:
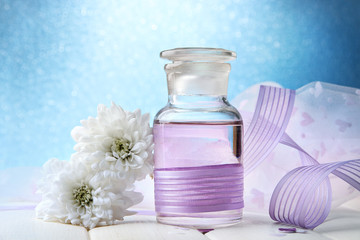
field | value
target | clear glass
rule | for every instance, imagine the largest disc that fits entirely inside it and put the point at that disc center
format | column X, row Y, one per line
column 198, row 126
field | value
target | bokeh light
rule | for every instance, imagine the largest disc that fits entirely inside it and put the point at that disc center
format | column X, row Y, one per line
column 60, row 59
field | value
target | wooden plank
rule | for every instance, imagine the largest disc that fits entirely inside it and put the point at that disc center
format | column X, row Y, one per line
column 257, row 226
column 144, row 227
column 22, row 225
column 342, row 223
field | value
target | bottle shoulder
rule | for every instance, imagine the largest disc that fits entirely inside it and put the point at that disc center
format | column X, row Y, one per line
column 223, row 113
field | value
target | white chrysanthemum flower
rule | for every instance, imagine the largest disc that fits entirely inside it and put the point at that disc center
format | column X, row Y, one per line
column 117, row 144
column 72, row 194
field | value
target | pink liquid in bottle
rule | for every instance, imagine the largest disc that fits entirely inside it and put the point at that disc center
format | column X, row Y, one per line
column 197, row 146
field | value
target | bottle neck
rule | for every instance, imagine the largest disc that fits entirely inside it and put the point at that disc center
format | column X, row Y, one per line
column 197, row 79
column 197, row 101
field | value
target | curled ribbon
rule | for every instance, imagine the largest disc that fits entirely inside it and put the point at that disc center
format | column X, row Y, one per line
column 303, row 196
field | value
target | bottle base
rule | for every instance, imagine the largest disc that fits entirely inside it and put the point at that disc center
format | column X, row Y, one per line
column 209, row 220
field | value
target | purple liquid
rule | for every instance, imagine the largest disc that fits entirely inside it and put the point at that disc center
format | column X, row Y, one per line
column 183, row 145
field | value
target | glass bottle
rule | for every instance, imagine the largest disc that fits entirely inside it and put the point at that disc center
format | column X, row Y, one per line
column 198, row 139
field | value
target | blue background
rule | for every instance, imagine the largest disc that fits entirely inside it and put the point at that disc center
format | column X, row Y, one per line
column 60, row 59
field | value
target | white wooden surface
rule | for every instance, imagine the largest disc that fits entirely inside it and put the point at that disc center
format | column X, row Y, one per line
column 342, row 224
column 22, row 224
column 144, row 227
